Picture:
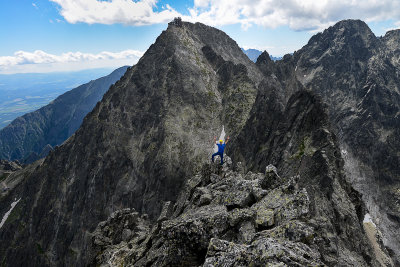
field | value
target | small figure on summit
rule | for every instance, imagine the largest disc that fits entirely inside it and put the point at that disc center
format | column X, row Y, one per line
column 177, row 22
column 221, row 148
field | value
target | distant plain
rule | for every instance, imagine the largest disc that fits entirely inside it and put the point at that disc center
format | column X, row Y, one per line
column 25, row 92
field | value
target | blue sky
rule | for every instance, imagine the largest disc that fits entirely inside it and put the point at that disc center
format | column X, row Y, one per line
column 59, row 35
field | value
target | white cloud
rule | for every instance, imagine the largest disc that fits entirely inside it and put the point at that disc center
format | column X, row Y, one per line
column 35, row 6
column 40, row 61
column 114, row 11
column 297, row 14
column 201, row 3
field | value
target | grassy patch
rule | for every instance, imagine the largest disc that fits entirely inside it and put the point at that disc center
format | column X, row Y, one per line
column 211, row 93
column 197, row 60
column 72, row 252
column 305, row 148
column 302, row 147
column 203, row 70
column 186, row 42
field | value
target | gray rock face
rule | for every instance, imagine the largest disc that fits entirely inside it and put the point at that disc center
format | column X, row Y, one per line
column 29, row 137
column 357, row 75
column 114, row 239
column 136, row 148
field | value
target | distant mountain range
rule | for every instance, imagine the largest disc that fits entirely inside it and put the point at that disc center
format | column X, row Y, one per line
column 25, row 92
column 33, row 135
column 253, row 54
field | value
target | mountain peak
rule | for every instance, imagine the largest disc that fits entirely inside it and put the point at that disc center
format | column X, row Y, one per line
column 186, row 39
column 351, row 23
column 347, row 41
column 392, row 39
column 264, row 57
column 350, row 26
column 346, row 32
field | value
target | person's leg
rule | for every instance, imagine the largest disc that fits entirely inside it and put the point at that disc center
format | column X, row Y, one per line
column 222, row 158
column 213, row 155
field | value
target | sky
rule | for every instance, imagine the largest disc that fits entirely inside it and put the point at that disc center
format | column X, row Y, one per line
column 67, row 35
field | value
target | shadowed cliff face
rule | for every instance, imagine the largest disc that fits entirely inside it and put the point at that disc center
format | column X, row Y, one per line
column 152, row 129
column 298, row 141
column 357, row 75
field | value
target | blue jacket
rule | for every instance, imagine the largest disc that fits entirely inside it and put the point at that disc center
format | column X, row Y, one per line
column 221, row 148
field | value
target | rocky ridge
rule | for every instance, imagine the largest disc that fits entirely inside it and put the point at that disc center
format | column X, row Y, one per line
column 356, row 75
column 224, row 217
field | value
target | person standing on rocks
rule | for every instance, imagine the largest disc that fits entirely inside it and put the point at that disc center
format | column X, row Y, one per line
column 221, row 148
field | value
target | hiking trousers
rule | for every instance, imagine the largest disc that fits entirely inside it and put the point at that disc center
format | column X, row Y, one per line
column 218, row 154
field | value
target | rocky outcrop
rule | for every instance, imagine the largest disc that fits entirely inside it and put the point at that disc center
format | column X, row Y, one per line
column 12, row 166
column 6, row 169
column 116, row 238
column 31, row 136
column 357, row 76
column 225, row 217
